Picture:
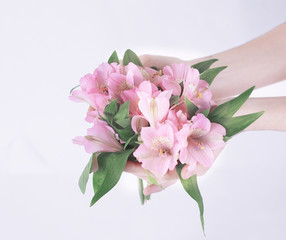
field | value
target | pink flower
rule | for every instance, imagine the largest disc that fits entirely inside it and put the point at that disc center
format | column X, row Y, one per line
column 97, row 82
column 118, row 83
column 158, row 152
column 174, row 75
column 94, row 87
column 152, row 75
column 136, row 73
column 131, row 95
column 100, row 138
column 196, row 90
column 197, row 142
column 156, row 108
column 176, row 120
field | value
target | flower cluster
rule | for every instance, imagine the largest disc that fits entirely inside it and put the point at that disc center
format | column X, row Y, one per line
column 161, row 119
column 158, row 112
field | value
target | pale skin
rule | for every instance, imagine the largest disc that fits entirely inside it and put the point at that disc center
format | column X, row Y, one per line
column 259, row 62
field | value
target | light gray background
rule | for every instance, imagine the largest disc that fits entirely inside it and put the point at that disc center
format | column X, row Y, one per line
column 46, row 46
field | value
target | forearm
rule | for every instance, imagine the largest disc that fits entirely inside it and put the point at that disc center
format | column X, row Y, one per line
column 274, row 117
column 259, row 62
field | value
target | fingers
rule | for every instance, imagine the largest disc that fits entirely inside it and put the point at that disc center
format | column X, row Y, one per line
column 158, row 61
column 136, row 169
column 153, row 188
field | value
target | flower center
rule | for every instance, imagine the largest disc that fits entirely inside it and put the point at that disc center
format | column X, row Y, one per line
column 199, row 94
column 163, row 152
column 162, row 145
column 124, row 86
column 104, row 89
column 200, row 145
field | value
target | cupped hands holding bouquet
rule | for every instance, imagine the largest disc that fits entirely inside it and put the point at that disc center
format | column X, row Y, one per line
column 160, row 121
column 164, row 119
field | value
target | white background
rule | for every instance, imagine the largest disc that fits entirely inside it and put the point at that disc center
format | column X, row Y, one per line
column 46, row 46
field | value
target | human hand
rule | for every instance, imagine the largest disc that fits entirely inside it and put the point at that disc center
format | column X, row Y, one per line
column 168, row 179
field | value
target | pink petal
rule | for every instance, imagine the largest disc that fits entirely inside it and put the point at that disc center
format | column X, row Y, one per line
column 154, row 110
column 188, row 170
column 144, row 90
column 215, row 137
column 166, row 130
column 202, row 154
column 202, row 84
column 182, row 136
column 79, row 96
column 192, row 79
column 88, row 83
column 91, row 116
column 79, row 140
column 138, row 122
column 168, row 71
column 169, row 84
column 144, row 153
column 147, row 135
column 133, row 98
column 156, row 164
column 101, row 139
column 137, row 75
column 201, row 125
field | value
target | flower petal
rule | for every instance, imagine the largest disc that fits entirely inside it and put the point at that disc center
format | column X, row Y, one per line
column 201, row 125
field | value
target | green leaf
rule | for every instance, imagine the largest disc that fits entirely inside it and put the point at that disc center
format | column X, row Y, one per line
column 110, row 111
column 228, row 109
column 174, row 100
column 237, row 124
column 122, row 118
column 125, row 133
column 226, row 138
column 210, row 74
column 123, row 112
column 155, row 68
column 123, row 122
column 113, row 58
column 203, row 66
column 85, row 175
column 130, row 56
column 110, row 168
column 191, row 107
column 191, row 187
column 206, row 112
column 131, row 141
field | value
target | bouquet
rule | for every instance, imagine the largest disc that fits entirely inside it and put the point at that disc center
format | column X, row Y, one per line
column 164, row 119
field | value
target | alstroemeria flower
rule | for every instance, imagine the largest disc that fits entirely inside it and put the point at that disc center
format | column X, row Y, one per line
column 152, row 75
column 95, row 100
column 158, row 152
column 176, row 119
column 94, row 87
column 97, row 82
column 197, row 90
column 174, row 75
column 156, row 108
column 197, row 140
column 99, row 138
column 131, row 95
